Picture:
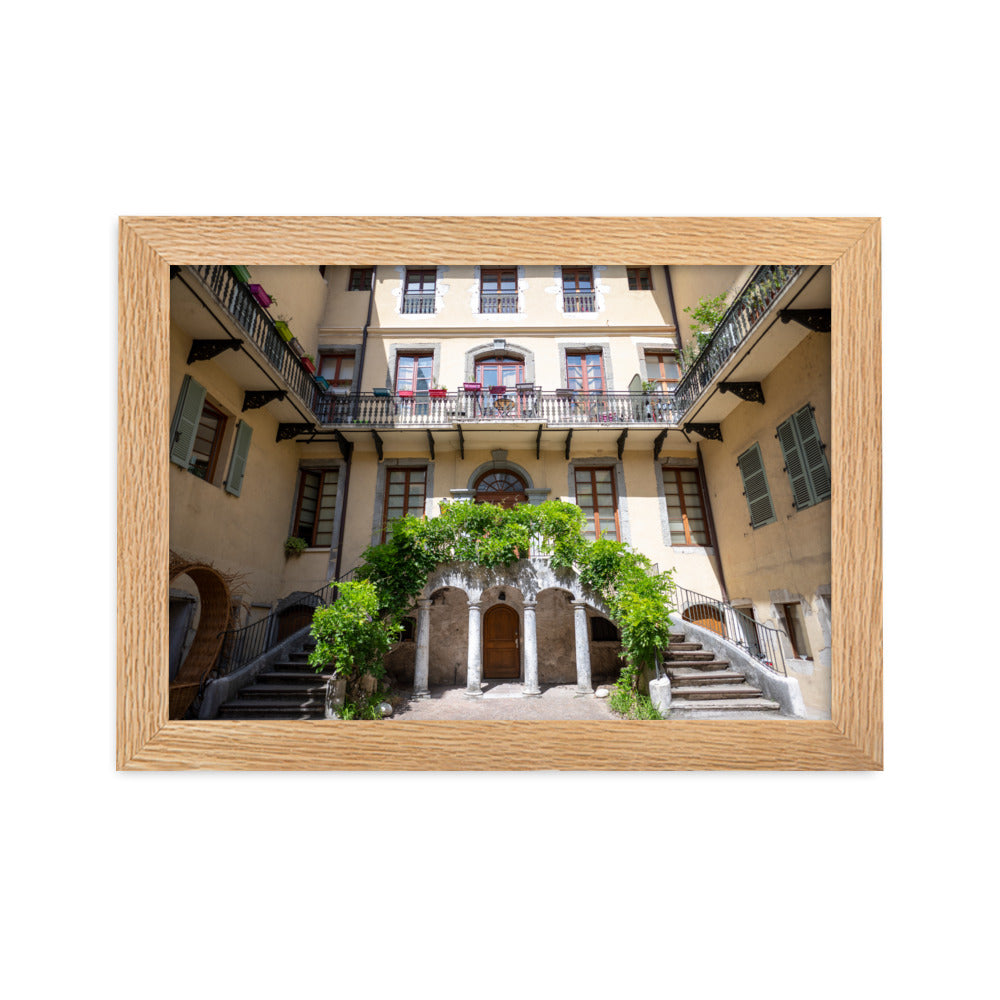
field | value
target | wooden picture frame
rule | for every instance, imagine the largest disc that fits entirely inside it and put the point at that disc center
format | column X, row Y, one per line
column 851, row 740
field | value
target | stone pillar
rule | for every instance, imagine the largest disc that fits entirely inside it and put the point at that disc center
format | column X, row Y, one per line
column 531, row 688
column 473, row 677
column 421, row 671
column 583, row 685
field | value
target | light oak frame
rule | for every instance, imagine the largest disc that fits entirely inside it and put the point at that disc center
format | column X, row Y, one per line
column 851, row 740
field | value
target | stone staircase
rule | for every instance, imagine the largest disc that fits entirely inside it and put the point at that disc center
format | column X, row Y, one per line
column 290, row 689
column 702, row 685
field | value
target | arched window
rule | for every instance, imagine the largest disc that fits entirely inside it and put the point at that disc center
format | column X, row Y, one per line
column 500, row 369
column 502, row 488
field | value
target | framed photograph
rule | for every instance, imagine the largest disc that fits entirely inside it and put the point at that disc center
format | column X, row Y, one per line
column 707, row 390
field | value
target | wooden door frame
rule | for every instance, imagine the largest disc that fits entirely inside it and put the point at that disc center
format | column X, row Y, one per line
column 517, row 642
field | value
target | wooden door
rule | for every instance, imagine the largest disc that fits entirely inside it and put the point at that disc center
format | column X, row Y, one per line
column 501, row 648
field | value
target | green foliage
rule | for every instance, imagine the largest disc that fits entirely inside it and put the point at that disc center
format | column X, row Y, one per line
column 350, row 633
column 357, row 630
column 625, row 700
column 705, row 317
column 295, row 546
column 366, row 707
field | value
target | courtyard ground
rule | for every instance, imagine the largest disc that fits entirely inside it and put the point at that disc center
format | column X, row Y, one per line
column 505, row 701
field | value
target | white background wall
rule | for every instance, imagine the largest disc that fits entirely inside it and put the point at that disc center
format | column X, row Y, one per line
column 115, row 109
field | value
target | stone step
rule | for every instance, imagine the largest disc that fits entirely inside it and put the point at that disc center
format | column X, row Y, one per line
column 283, row 692
column 683, row 645
column 696, row 664
column 677, row 636
column 292, row 677
column 688, row 675
column 292, row 666
column 715, row 691
column 266, row 704
column 233, row 711
column 689, row 654
column 724, row 705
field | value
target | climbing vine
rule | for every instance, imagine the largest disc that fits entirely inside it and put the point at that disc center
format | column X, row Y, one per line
column 356, row 631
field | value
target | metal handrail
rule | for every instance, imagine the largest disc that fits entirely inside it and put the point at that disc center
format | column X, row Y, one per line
column 498, row 302
column 419, row 302
column 760, row 642
column 237, row 299
column 577, row 302
column 760, row 290
column 564, row 407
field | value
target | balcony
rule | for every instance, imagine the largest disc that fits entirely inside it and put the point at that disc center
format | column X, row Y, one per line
column 562, row 408
column 418, row 302
column 237, row 300
column 498, row 302
column 763, row 288
column 579, row 302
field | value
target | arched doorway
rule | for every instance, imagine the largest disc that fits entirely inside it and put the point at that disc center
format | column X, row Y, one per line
column 501, row 487
column 706, row 616
column 501, row 643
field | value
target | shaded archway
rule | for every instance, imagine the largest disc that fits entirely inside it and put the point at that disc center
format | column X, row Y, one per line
column 215, row 598
column 501, row 487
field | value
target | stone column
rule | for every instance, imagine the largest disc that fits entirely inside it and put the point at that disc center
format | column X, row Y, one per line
column 531, row 688
column 583, row 685
column 474, row 673
column 421, row 672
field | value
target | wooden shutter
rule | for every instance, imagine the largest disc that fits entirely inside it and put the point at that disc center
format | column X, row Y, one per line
column 185, row 423
column 795, row 466
column 813, row 454
column 238, row 463
column 755, row 487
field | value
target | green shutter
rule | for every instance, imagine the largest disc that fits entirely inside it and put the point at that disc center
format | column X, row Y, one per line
column 185, row 423
column 813, row 454
column 755, row 487
column 795, row 466
column 238, row 463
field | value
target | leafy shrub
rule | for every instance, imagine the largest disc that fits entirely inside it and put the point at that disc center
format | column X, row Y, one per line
column 295, row 546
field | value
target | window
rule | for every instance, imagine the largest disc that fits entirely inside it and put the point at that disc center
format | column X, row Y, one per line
column 338, row 370
column 405, row 492
column 685, row 507
column 578, row 289
column 601, row 630
column 661, row 368
column 755, row 487
column 414, row 372
column 805, row 459
column 418, row 290
column 791, row 615
column 639, row 279
column 315, row 507
column 585, row 371
column 360, row 279
column 500, row 370
column 595, row 495
column 498, row 290
column 207, row 442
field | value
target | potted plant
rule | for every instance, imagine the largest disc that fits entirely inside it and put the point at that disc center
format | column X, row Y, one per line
column 296, row 347
column 257, row 291
column 405, row 393
column 322, row 383
column 498, row 390
column 472, row 386
column 294, row 546
column 309, row 363
column 282, row 327
column 240, row 273
column 439, row 391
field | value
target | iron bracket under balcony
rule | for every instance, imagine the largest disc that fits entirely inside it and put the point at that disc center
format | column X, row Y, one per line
column 817, row 320
column 749, row 392
column 205, row 350
column 254, row 399
column 712, row 432
column 288, row 431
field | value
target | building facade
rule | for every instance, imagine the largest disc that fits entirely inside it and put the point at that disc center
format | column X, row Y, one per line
column 507, row 384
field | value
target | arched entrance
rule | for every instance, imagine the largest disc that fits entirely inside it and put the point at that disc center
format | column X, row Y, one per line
column 501, row 643
column 706, row 616
column 502, row 487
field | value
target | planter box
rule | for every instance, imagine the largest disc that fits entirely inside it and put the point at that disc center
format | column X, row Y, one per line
column 381, row 392
column 308, row 365
column 525, row 386
column 439, row 393
column 405, row 393
column 282, row 327
column 297, row 347
column 322, row 383
column 472, row 386
column 257, row 291
column 240, row 273
column 498, row 390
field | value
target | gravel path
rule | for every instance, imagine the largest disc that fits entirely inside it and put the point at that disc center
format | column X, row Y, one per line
column 505, row 701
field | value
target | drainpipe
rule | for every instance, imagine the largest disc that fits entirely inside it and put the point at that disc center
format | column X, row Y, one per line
column 673, row 308
column 343, row 515
column 364, row 336
column 711, row 523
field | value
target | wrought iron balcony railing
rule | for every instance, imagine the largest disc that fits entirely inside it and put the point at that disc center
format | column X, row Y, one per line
column 562, row 407
column 754, row 299
column 418, row 302
column 238, row 301
column 498, row 302
column 579, row 302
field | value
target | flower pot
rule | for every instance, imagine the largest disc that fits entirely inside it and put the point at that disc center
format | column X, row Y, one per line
column 308, row 365
column 257, row 291
column 282, row 327
column 297, row 347
column 439, row 393
column 472, row 386
column 498, row 390
column 240, row 273
column 405, row 393
column 322, row 383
